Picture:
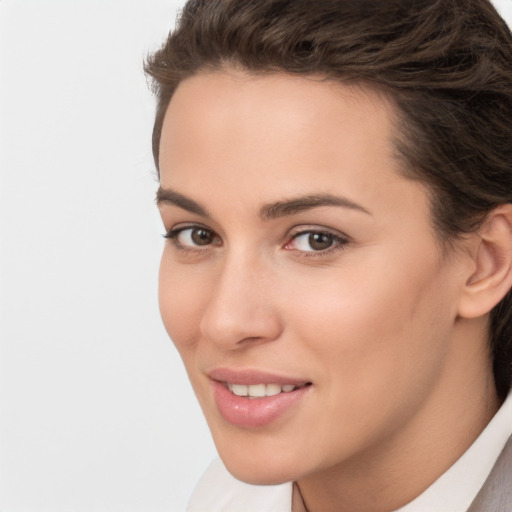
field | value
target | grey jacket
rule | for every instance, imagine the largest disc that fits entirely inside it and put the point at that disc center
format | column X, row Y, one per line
column 496, row 493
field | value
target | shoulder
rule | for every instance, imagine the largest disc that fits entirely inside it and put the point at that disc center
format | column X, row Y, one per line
column 219, row 491
column 496, row 494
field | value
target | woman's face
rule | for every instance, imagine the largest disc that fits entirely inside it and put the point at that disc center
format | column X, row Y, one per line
column 303, row 267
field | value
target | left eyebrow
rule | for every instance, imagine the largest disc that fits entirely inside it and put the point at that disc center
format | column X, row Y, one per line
column 304, row 203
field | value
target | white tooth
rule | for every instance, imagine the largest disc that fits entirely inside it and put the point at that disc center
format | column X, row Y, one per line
column 288, row 387
column 239, row 389
column 257, row 390
column 230, row 386
column 272, row 389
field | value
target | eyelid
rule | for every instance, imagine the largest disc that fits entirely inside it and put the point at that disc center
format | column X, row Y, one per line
column 303, row 229
column 178, row 228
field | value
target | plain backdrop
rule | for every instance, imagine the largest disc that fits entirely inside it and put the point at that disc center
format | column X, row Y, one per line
column 96, row 413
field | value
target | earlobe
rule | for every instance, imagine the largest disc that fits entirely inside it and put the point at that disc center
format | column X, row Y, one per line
column 492, row 276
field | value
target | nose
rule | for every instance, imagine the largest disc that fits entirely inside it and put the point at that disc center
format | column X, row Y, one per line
column 242, row 308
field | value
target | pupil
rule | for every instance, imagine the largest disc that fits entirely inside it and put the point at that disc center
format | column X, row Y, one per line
column 202, row 236
column 320, row 241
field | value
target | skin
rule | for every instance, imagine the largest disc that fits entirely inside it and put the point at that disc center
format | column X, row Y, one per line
column 401, row 382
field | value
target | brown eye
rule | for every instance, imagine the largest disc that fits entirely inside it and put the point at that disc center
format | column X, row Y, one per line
column 193, row 237
column 316, row 242
column 313, row 241
column 201, row 236
column 320, row 241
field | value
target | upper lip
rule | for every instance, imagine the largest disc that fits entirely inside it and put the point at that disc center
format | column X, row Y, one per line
column 250, row 376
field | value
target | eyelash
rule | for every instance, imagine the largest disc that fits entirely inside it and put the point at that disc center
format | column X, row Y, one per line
column 339, row 242
column 173, row 234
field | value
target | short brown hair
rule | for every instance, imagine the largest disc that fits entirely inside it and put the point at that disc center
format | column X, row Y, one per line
column 446, row 65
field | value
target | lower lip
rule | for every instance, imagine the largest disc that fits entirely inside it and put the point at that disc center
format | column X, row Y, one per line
column 254, row 412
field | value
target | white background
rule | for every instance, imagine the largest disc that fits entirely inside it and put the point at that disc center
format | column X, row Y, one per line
column 96, row 413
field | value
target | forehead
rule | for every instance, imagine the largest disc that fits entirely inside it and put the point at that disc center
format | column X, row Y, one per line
column 266, row 98
column 235, row 122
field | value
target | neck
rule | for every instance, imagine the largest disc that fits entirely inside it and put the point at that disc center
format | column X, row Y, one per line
column 398, row 468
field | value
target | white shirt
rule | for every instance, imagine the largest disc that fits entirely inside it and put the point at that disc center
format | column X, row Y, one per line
column 453, row 491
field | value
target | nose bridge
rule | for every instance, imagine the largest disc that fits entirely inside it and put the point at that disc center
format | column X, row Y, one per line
column 241, row 306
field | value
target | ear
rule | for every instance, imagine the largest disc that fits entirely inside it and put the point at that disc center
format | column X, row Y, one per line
column 492, row 272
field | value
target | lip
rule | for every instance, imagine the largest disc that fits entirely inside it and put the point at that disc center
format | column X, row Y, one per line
column 248, row 377
column 253, row 413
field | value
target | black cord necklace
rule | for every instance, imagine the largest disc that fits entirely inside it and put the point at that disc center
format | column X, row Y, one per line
column 304, row 507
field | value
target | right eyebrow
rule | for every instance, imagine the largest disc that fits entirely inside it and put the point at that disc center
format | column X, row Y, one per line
column 169, row 196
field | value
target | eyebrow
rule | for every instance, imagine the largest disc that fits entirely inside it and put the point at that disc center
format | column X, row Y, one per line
column 303, row 203
column 171, row 197
column 267, row 212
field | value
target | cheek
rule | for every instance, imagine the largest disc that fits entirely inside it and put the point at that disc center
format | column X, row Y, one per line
column 181, row 293
column 376, row 345
column 388, row 325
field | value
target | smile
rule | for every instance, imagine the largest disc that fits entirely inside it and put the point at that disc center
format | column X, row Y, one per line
column 261, row 390
column 254, row 399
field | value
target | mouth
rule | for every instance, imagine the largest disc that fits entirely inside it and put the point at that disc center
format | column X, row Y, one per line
column 252, row 391
column 253, row 399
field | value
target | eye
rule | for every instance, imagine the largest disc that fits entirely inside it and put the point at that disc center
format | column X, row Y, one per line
column 316, row 242
column 194, row 236
column 313, row 241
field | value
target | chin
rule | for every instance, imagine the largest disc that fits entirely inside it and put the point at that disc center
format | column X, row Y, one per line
column 259, row 466
column 259, row 474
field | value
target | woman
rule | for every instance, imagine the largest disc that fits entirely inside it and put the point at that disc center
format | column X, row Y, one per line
column 336, row 186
